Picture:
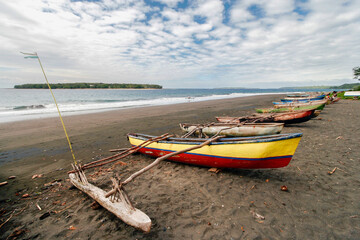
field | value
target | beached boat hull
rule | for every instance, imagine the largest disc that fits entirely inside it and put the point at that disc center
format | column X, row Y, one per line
column 296, row 117
column 235, row 130
column 274, row 151
column 297, row 104
column 303, row 99
column 286, row 118
column 291, row 109
column 352, row 94
column 298, row 95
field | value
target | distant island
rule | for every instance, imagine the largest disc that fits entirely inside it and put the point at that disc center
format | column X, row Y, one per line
column 88, row 85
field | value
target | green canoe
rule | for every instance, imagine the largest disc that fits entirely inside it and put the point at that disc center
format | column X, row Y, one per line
column 290, row 109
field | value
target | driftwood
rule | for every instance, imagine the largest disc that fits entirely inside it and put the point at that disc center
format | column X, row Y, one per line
column 331, row 172
column 11, row 215
column 38, row 206
column 3, row 183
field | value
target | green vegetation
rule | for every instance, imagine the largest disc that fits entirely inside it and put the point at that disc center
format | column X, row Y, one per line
column 356, row 88
column 341, row 95
column 308, row 87
column 356, row 73
column 89, row 85
column 348, row 86
column 344, row 86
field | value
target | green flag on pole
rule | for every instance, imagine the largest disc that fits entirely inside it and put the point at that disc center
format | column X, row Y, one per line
column 31, row 57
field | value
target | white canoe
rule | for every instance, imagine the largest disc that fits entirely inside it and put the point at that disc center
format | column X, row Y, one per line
column 234, row 129
column 352, row 94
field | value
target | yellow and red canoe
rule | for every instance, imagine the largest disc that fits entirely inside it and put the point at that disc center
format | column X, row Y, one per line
column 272, row 151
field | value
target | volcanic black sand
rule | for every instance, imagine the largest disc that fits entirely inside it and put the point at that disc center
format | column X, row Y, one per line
column 183, row 201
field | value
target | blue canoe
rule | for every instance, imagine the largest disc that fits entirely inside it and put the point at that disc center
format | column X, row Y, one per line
column 305, row 99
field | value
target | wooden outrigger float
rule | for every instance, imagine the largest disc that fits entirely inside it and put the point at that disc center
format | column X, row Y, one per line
column 120, row 208
column 116, row 201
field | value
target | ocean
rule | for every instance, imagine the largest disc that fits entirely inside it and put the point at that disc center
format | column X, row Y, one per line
column 24, row 104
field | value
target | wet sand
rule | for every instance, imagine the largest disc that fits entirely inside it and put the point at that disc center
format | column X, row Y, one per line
column 183, row 201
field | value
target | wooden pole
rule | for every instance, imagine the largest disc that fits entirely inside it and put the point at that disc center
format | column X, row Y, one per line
column 121, row 155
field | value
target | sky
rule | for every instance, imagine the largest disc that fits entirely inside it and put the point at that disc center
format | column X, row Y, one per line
column 181, row 43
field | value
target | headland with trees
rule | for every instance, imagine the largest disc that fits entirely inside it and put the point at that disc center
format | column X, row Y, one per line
column 88, row 85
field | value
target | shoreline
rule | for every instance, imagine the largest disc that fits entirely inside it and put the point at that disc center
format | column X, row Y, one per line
column 27, row 115
column 183, row 201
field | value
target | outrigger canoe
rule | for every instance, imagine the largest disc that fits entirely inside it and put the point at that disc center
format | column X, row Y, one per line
column 272, row 151
column 286, row 118
column 234, row 129
column 298, row 95
column 319, row 106
column 293, row 104
column 303, row 99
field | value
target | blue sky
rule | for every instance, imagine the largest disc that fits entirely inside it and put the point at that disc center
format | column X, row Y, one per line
column 181, row 43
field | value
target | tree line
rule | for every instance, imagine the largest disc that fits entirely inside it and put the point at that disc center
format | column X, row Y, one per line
column 88, row 85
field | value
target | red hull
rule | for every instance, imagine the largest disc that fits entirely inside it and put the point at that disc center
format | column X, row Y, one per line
column 292, row 116
column 221, row 162
column 287, row 118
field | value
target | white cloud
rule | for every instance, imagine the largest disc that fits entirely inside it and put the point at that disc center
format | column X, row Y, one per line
column 279, row 6
column 211, row 9
column 239, row 14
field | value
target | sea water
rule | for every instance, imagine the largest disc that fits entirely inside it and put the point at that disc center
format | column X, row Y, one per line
column 24, row 104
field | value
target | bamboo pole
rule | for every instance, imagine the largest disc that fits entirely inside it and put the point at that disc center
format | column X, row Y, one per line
column 121, row 155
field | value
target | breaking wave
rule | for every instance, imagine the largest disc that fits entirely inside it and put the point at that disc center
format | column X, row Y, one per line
column 29, row 107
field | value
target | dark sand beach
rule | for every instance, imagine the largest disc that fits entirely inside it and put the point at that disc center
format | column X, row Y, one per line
column 183, row 201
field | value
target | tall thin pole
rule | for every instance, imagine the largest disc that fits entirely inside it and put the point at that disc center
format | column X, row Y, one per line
column 35, row 55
